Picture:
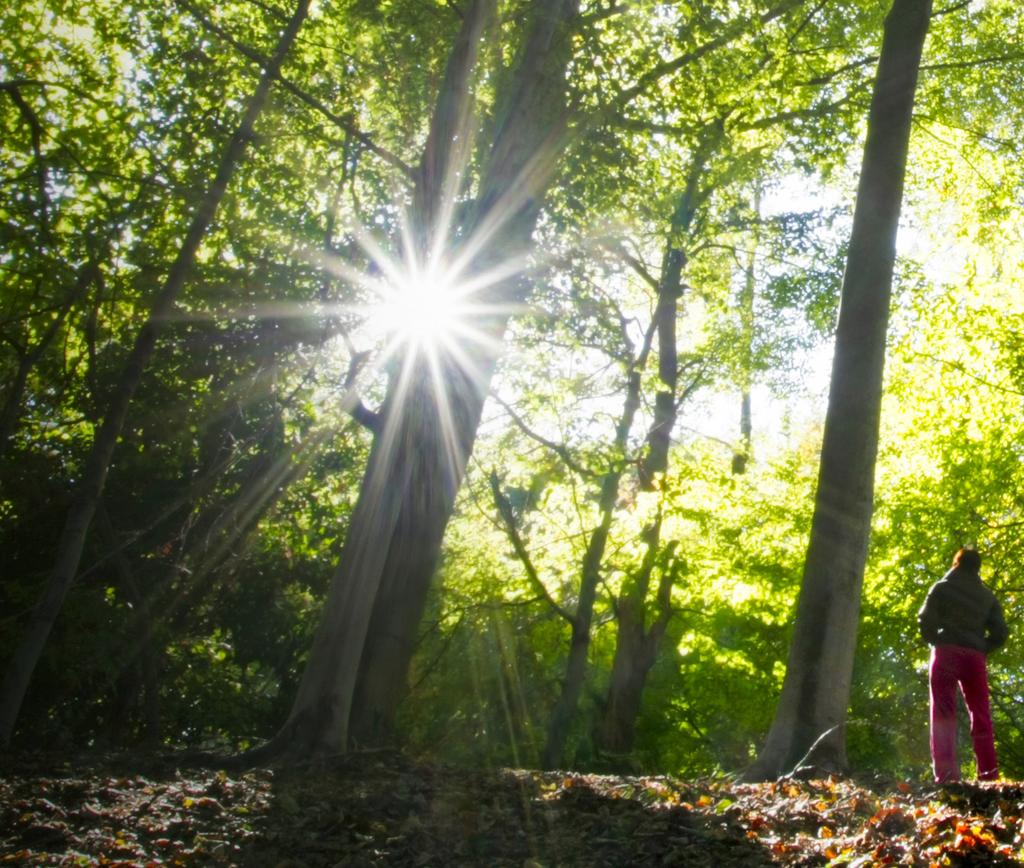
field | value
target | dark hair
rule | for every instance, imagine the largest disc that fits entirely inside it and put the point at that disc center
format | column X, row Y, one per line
column 967, row 558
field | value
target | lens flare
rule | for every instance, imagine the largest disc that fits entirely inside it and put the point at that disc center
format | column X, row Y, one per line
column 424, row 308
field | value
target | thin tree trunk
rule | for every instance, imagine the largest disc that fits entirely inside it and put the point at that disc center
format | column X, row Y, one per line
column 141, row 677
column 811, row 714
column 72, row 540
column 741, row 457
column 636, row 646
column 564, row 712
column 670, row 290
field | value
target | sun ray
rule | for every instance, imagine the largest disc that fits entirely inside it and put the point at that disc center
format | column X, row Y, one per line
column 446, row 419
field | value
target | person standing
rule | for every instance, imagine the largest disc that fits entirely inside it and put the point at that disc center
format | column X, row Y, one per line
column 963, row 622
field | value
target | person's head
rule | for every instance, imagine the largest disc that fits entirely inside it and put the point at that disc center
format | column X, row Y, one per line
column 967, row 558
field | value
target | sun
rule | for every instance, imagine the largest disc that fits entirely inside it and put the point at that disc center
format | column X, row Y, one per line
column 422, row 309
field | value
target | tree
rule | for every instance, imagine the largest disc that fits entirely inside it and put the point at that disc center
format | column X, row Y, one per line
column 429, row 415
column 808, row 724
column 69, row 548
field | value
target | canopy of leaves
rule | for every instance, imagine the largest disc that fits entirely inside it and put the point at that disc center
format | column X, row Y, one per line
column 727, row 134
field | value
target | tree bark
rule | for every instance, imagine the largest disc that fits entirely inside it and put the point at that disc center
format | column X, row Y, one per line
column 402, row 593
column 564, row 712
column 428, row 424
column 809, row 723
column 90, row 489
column 741, row 456
column 670, row 290
column 636, row 644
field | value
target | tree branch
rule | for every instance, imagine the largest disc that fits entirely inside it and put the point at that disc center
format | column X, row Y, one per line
column 354, row 406
column 956, row 7
column 343, row 122
column 826, row 77
column 36, row 132
column 728, row 34
column 618, row 249
column 509, row 520
column 958, row 366
column 558, row 448
column 981, row 61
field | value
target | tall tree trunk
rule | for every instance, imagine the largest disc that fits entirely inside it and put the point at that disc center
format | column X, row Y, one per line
column 811, row 714
column 636, row 645
column 428, row 421
column 402, row 593
column 637, row 642
column 741, row 456
column 141, row 677
column 76, row 526
column 564, row 712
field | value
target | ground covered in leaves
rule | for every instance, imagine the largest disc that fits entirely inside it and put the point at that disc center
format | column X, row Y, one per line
column 383, row 809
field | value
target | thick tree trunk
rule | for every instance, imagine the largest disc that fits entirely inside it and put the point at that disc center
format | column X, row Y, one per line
column 811, row 714
column 529, row 139
column 635, row 653
column 636, row 644
column 394, row 534
column 402, row 593
column 428, row 420
column 72, row 540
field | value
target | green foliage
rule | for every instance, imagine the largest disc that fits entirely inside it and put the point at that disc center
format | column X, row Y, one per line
column 229, row 496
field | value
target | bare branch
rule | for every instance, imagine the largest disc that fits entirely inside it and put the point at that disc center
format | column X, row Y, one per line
column 956, row 7
column 981, row 61
column 827, row 77
column 618, row 249
column 610, row 11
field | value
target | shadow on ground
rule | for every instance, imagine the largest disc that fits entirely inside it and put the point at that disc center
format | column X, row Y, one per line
column 373, row 809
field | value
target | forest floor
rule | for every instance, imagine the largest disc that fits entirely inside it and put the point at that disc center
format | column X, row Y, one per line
column 384, row 809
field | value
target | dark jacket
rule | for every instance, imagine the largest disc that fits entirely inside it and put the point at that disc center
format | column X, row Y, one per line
column 960, row 610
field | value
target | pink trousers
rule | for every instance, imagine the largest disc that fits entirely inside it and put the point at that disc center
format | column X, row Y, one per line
column 954, row 666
